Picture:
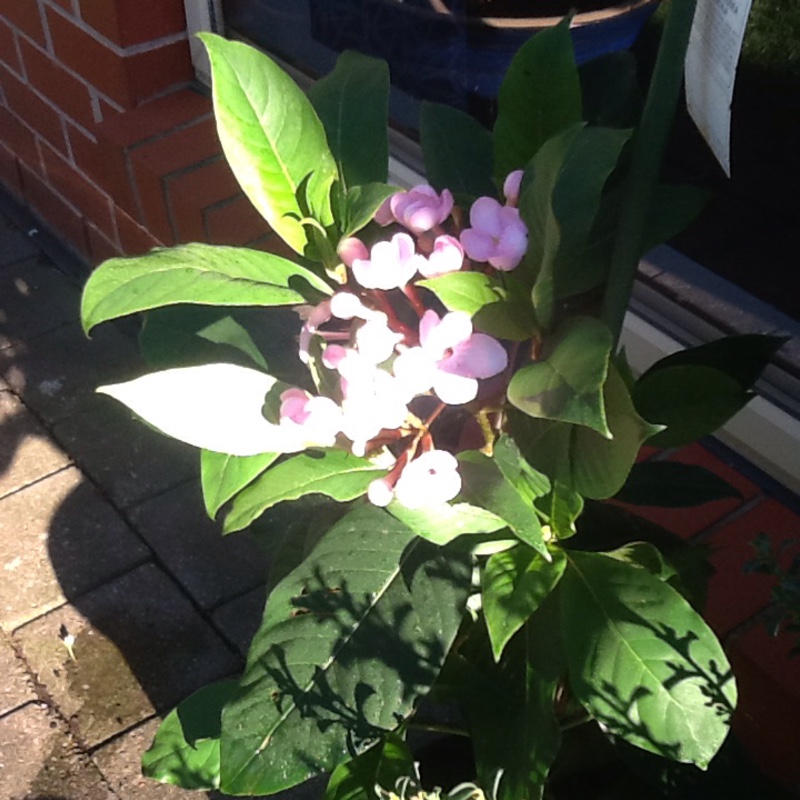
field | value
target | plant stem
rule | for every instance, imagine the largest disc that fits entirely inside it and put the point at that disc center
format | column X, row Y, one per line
column 437, row 727
column 649, row 144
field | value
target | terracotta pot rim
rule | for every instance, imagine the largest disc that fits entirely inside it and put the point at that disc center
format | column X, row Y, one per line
column 579, row 20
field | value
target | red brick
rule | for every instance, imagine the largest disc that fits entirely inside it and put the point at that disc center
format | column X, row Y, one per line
column 123, row 22
column 134, row 239
column 93, row 61
column 8, row 48
column 9, row 171
column 272, row 243
column 688, row 522
column 106, row 166
column 155, row 117
column 767, row 719
column 54, row 82
column 158, row 70
column 19, row 138
column 65, row 4
column 191, row 193
column 78, row 191
column 34, row 111
column 155, row 161
column 100, row 247
column 62, row 218
column 25, row 16
column 235, row 223
column 734, row 596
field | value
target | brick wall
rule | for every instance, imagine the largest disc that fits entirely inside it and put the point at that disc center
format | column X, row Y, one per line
column 103, row 133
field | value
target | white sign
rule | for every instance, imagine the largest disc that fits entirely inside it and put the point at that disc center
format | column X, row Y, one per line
column 714, row 47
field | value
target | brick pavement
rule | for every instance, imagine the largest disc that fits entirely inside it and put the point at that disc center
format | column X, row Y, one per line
column 102, row 533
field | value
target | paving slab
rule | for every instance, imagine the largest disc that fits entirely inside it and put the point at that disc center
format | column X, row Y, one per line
column 58, row 539
column 120, row 763
column 15, row 244
column 39, row 760
column 26, row 451
column 140, row 647
column 34, row 298
column 16, row 686
column 130, row 460
column 56, row 372
column 213, row 568
column 240, row 618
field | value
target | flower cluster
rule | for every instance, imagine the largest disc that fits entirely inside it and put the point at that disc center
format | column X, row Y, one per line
column 394, row 363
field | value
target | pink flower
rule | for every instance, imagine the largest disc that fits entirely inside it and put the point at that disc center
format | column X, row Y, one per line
column 497, row 235
column 315, row 421
column 421, row 208
column 391, row 264
column 314, row 316
column 447, row 256
column 430, row 479
column 511, row 187
column 450, row 358
column 350, row 249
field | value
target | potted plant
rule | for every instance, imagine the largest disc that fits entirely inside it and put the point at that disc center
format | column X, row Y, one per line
column 457, row 51
column 428, row 433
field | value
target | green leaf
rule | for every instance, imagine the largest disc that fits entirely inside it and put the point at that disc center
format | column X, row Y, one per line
column 642, row 661
column 742, row 357
column 185, row 750
column 483, row 484
column 361, row 204
column 272, row 138
column 673, row 208
column 465, row 291
column 566, row 383
column 334, row 473
column 348, row 643
column 457, row 151
column 191, row 334
column 195, row 273
column 646, row 556
column 514, row 584
column 353, row 104
column 442, row 523
column 692, row 401
column 581, row 458
column 223, row 476
column 564, row 506
column 540, row 96
column 382, row 765
column 672, row 484
column 610, row 88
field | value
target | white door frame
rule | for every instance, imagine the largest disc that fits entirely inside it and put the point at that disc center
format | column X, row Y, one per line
column 202, row 15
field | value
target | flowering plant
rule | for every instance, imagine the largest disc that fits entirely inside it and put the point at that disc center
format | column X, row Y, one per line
column 421, row 426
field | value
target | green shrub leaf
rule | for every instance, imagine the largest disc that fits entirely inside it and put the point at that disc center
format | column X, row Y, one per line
column 223, row 476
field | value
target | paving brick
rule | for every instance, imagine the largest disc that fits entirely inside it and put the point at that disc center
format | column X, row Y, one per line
column 56, row 372
column 58, row 540
column 15, row 245
column 131, row 461
column 688, row 522
column 140, row 648
column 16, row 686
column 26, row 451
column 34, row 298
column 120, row 763
column 240, row 618
column 211, row 568
column 734, row 596
column 41, row 761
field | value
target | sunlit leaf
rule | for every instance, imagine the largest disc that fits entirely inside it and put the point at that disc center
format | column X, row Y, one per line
column 223, row 476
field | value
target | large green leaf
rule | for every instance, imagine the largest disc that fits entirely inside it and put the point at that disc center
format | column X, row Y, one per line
column 195, row 273
column 272, row 139
column 540, row 97
column 514, row 584
column 185, row 750
column 382, row 765
column 223, row 476
column 353, row 104
column 361, row 204
column 672, row 484
column 458, row 152
column 349, row 642
column 465, row 291
column 442, row 523
column 334, row 473
column 692, row 401
column 579, row 457
column 566, row 383
column 484, row 484
column 642, row 661
column 610, row 87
